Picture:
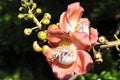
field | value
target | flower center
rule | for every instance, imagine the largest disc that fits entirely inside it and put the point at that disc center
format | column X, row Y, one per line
column 82, row 26
column 65, row 53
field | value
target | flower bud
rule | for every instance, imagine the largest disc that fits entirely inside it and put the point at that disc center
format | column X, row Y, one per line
column 98, row 57
column 27, row 3
column 46, row 21
column 52, row 26
column 42, row 35
column 36, row 47
column 47, row 15
column 34, row 5
column 45, row 48
column 38, row 11
column 102, row 40
column 27, row 31
column 20, row 16
column 21, row 8
column 30, row 16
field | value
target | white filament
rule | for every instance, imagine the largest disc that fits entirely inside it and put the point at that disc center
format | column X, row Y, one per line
column 65, row 55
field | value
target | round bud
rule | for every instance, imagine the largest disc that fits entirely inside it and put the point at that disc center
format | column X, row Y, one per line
column 52, row 26
column 27, row 31
column 36, row 47
column 42, row 35
column 46, row 21
column 98, row 57
column 21, row 8
column 34, row 5
column 47, row 15
column 102, row 39
column 38, row 11
column 20, row 16
column 27, row 3
column 44, row 49
column 30, row 16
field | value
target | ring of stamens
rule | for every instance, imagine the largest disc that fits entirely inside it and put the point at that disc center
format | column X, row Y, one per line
column 65, row 53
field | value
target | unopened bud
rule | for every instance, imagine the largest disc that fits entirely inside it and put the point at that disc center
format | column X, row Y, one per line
column 46, row 21
column 42, row 35
column 44, row 49
column 52, row 26
column 21, row 8
column 27, row 3
column 36, row 47
column 30, row 16
column 47, row 15
column 38, row 11
column 34, row 5
column 20, row 16
column 98, row 57
column 27, row 31
column 102, row 39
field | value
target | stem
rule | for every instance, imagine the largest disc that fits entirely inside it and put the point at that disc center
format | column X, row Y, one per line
column 37, row 22
column 35, row 27
column 111, row 44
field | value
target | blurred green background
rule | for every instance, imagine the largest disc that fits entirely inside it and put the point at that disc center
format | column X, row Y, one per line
column 18, row 61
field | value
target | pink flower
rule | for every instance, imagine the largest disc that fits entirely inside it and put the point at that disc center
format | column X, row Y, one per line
column 67, row 44
column 74, row 28
column 66, row 60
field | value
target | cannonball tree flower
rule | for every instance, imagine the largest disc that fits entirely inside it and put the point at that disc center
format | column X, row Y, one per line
column 65, row 60
column 74, row 28
column 67, row 44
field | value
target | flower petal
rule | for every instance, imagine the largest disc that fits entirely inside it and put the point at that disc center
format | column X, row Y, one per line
column 84, row 62
column 63, row 72
column 81, row 40
column 69, row 19
column 74, row 13
column 55, row 35
column 93, row 35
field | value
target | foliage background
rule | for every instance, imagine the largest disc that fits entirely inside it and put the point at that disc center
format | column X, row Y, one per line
column 18, row 61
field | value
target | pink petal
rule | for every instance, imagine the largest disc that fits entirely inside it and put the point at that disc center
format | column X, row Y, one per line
column 63, row 72
column 74, row 13
column 64, row 24
column 84, row 62
column 81, row 40
column 56, row 35
column 69, row 19
column 93, row 36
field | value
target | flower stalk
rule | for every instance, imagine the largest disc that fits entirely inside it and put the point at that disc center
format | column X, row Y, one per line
column 110, row 44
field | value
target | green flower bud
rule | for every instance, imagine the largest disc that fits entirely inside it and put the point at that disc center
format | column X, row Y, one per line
column 27, row 3
column 42, row 35
column 46, row 21
column 34, row 5
column 21, row 8
column 20, row 16
column 27, row 31
column 38, row 11
column 53, row 26
column 30, row 16
column 47, row 15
